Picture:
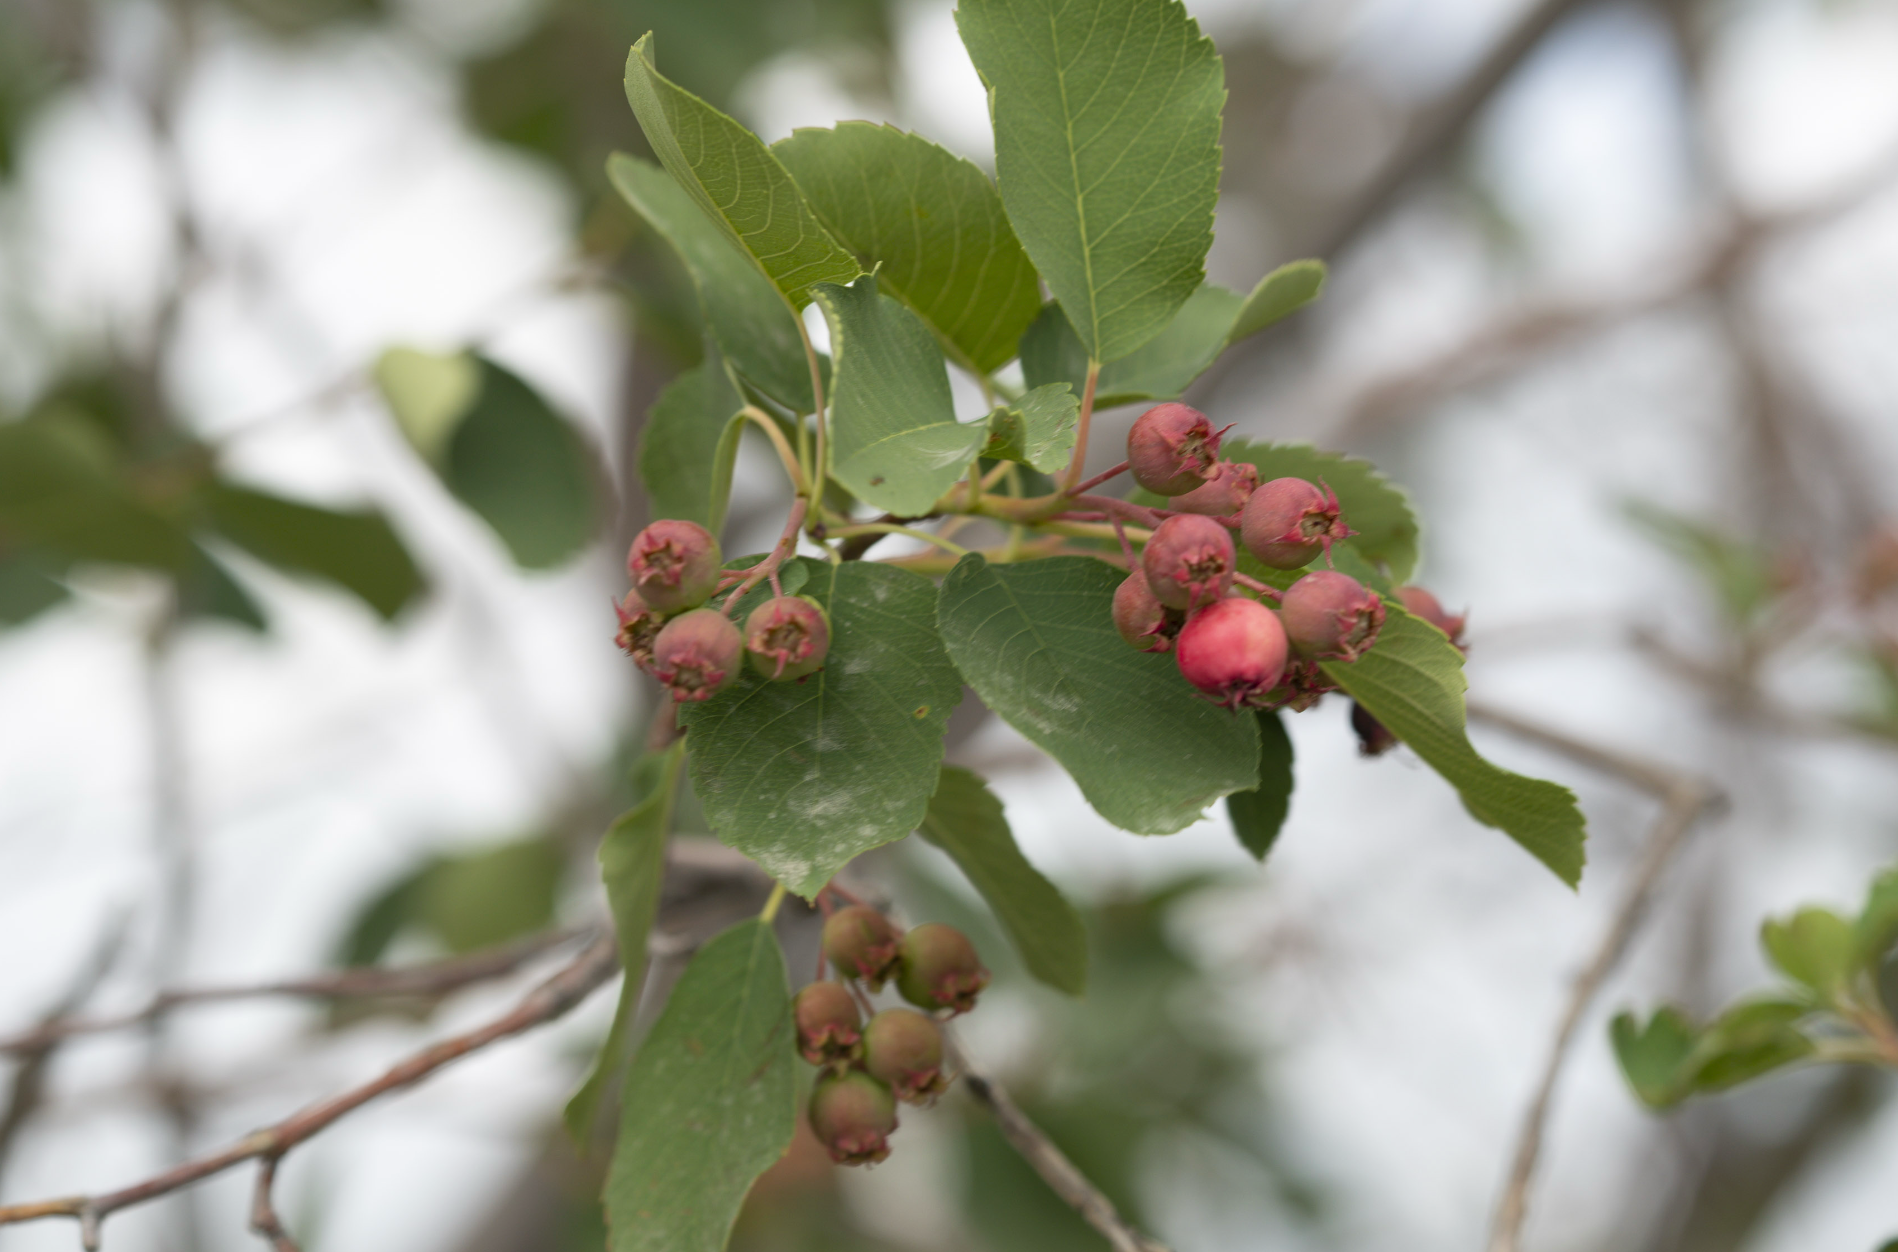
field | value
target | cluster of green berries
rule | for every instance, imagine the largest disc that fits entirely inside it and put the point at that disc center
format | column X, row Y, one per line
column 898, row 1054
column 676, row 566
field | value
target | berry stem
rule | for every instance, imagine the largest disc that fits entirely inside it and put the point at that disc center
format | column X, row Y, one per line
column 1126, row 509
column 768, row 568
column 1070, row 480
column 1098, row 479
column 1120, row 533
column 1265, row 589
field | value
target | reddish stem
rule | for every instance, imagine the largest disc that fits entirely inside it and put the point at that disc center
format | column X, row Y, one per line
column 1264, row 589
column 768, row 568
column 1100, row 478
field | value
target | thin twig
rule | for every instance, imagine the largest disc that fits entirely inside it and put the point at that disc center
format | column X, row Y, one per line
column 263, row 1210
column 1060, row 1173
column 1685, row 799
column 551, row 999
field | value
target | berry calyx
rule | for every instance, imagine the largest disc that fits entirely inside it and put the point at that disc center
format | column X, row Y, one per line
column 903, row 1048
column 862, row 943
column 853, row 1115
column 940, row 969
column 1143, row 621
column 788, row 637
column 674, row 564
column 1172, row 449
column 1234, row 651
column 1330, row 616
column 829, row 1027
column 1222, row 495
column 697, row 655
column 639, row 625
column 1301, row 686
column 1288, row 521
column 1189, row 561
column 1420, row 603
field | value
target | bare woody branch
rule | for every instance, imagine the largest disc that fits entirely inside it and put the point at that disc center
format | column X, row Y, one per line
column 1684, row 799
column 552, row 999
column 263, row 1210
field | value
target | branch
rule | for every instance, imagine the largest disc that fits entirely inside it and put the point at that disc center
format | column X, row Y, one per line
column 28, row 1088
column 263, row 1211
column 1685, row 799
column 1061, row 1175
column 552, row 999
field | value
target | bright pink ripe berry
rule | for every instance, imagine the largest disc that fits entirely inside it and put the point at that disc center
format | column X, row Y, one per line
column 1330, row 616
column 674, row 565
column 1172, row 449
column 862, row 943
column 1420, row 603
column 788, row 637
column 940, row 969
column 1189, row 561
column 829, row 1028
column 1142, row 620
column 853, row 1115
column 903, row 1048
column 1288, row 521
column 1224, row 494
column 697, row 655
column 638, row 626
column 1234, row 651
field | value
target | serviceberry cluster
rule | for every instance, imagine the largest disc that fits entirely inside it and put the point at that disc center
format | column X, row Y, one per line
column 898, row 1054
column 1187, row 595
column 676, row 566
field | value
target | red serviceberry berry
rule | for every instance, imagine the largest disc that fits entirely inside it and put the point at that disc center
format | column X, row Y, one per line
column 1189, row 561
column 674, row 564
column 904, row 1049
column 1172, row 449
column 862, row 943
column 1234, row 651
column 940, row 969
column 1420, row 603
column 1222, row 495
column 1330, row 616
column 697, row 654
column 1374, row 739
column 788, row 637
column 1143, row 621
column 639, row 625
column 853, row 1115
column 829, row 1028
column 1288, row 521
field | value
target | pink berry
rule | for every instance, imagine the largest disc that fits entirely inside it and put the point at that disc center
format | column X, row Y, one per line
column 853, row 1115
column 1224, row 494
column 1172, row 449
column 788, row 637
column 862, row 943
column 1143, row 621
column 1189, row 561
column 697, row 655
column 639, row 625
column 829, row 1028
column 1330, row 616
column 1234, row 651
column 1420, row 603
column 903, row 1048
column 674, row 565
column 1288, row 521
column 940, row 969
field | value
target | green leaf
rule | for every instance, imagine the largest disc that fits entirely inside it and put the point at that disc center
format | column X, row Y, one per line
column 1159, row 370
column 491, row 895
column 1259, row 814
column 1378, row 511
column 1813, row 947
column 633, row 865
column 29, row 585
column 357, row 550
column 802, row 776
column 1746, row 1041
column 1037, row 430
column 386, row 915
column 711, row 1101
column 59, row 488
column 894, row 438
column 690, row 444
column 1877, row 926
column 1279, row 294
column 1654, row 1058
column 734, row 178
column 208, row 590
column 1038, row 644
column 1107, row 152
column 1412, row 681
column 428, row 394
column 931, row 226
column 965, row 820
column 755, row 330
